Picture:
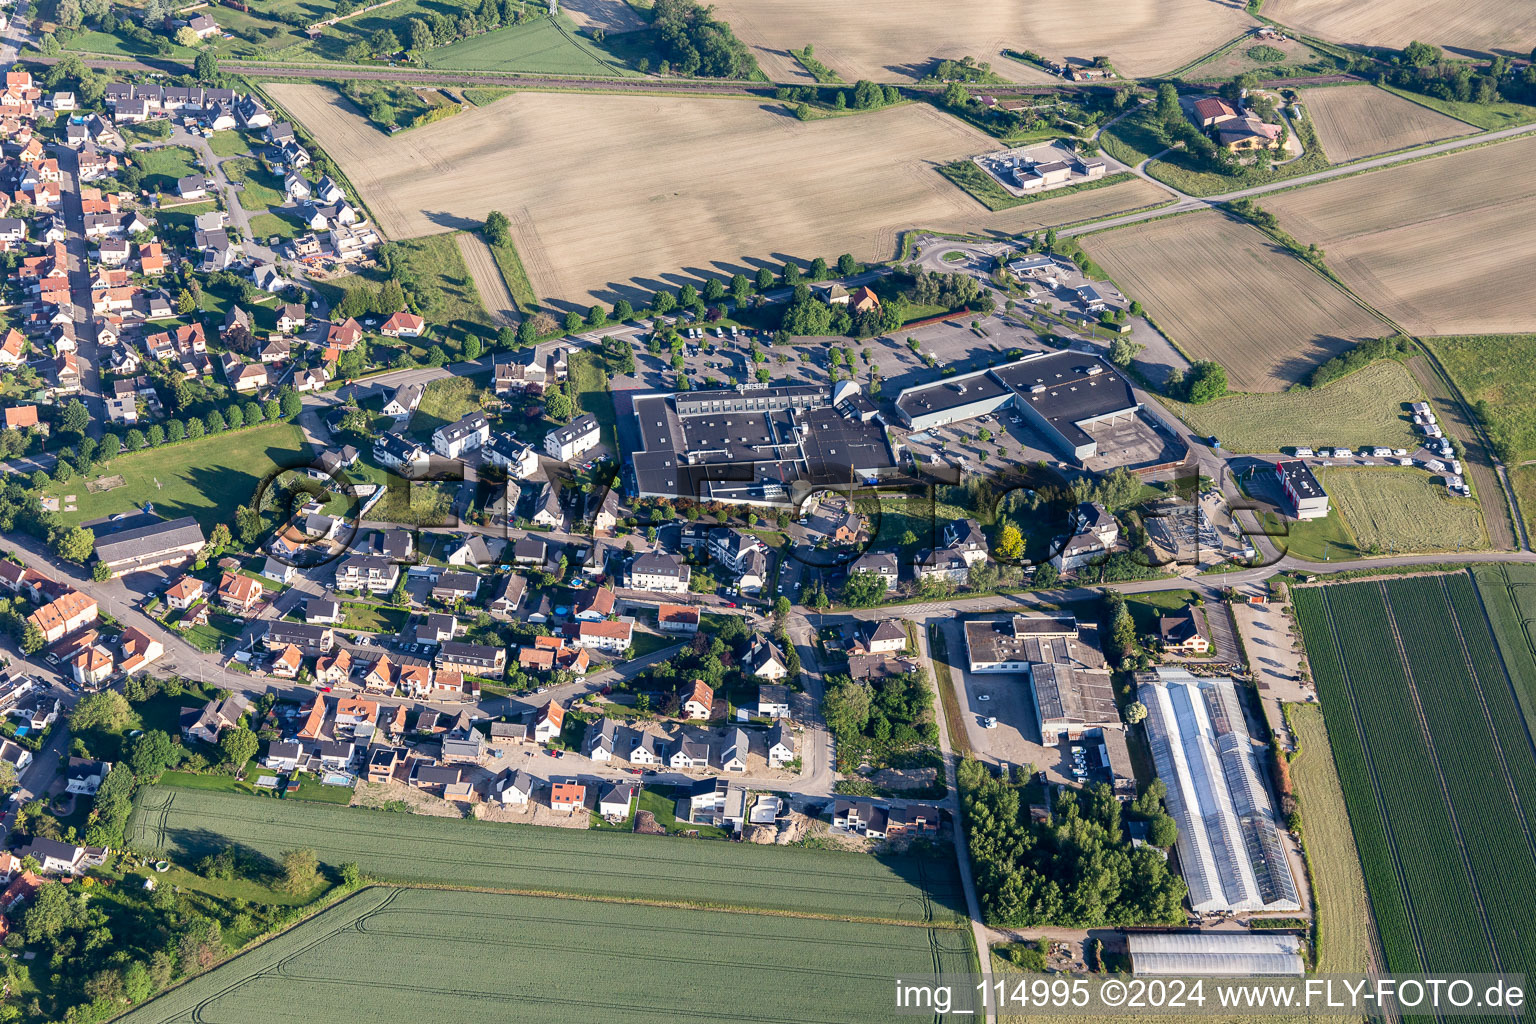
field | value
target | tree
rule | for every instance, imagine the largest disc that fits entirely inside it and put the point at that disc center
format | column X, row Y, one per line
column 76, row 419
column 1162, row 831
column 1010, row 543
column 623, row 311
column 1122, row 351
column 597, row 316
column 75, row 544
column 557, row 406
column 32, row 639
column 301, row 871
column 764, row 279
column 1046, row 575
column 741, row 289
column 846, row 265
column 1206, row 381
column 663, row 301
column 687, row 295
column 238, row 746
column 1419, row 55
column 186, row 36
column 107, row 711
column 384, row 41
column 101, row 572
column 135, row 439
column 206, row 66
column 498, row 228
column 864, row 589
column 151, row 754
column 8, row 777
column 846, row 708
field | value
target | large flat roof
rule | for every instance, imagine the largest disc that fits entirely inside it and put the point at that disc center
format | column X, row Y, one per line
column 1229, row 846
column 1215, row 954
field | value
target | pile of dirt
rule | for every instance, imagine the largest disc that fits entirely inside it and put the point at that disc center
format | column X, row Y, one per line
column 646, row 824
column 789, row 830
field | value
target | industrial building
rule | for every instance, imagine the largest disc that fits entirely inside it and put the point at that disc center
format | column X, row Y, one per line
column 1215, row 954
column 1307, row 497
column 1059, row 394
column 751, row 444
column 1229, row 846
column 1067, row 674
column 141, row 541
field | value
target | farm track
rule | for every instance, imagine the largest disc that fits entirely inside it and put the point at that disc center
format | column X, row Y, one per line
column 1376, row 788
column 1482, row 702
column 1445, row 789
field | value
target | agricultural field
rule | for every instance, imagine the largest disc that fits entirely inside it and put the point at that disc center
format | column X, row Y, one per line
column 582, row 960
column 542, row 47
column 1367, row 407
column 1509, row 595
column 1401, row 509
column 1436, row 764
column 612, row 16
column 595, row 230
column 485, row 272
column 186, row 825
column 1359, row 121
column 206, row 478
column 1439, row 245
column 1486, row 25
column 1223, row 290
column 900, row 39
column 1497, row 375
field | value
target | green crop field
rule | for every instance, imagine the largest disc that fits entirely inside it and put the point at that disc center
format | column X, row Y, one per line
column 1437, row 768
column 1509, row 595
column 207, row 478
column 1367, row 407
column 542, row 47
column 187, row 824
column 1402, row 509
column 487, row 958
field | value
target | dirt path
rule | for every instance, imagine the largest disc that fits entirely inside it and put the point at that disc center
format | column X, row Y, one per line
column 1479, row 465
column 488, row 280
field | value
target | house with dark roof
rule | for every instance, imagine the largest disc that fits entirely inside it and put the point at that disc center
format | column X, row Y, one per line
column 144, row 541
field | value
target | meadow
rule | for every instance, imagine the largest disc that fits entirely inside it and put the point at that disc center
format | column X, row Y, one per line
column 900, row 39
column 545, row 46
column 496, row 958
column 1223, row 290
column 1497, row 375
column 1367, row 407
column 1436, row 764
column 1402, row 509
column 1360, row 121
column 757, row 185
column 1440, row 245
column 206, row 478
column 186, row 825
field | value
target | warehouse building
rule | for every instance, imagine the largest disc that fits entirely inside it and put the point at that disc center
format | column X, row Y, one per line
column 1215, row 955
column 750, row 445
column 1070, row 683
column 1307, row 497
column 1060, row 394
column 1229, row 846
column 141, row 541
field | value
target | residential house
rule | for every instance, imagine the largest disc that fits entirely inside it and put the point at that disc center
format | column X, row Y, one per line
column 307, row 638
column 453, row 439
column 512, row 788
column 677, row 618
column 287, row 662
column 689, row 754
column 185, row 592
column 659, row 572
column 614, row 799
column 518, row 459
column 471, row 659
column 605, row 636
column 455, row 586
column 595, row 605
column 567, row 795
column 138, row 650
column 886, row 636
column 764, row 660
column 773, row 701
column 63, row 615
column 1181, row 633
column 548, row 722
column 216, row 716
column 601, row 739
column 781, row 745
column 700, row 702
column 367, row 573
column 403, row 325
column 322, row 611
column 507, row 594
column 393, row 451
column 645, row 748
column 576, row 438
column 54, row 857
column 332, row 669
column 405, row 400
column 239, row 594
column 733, row 752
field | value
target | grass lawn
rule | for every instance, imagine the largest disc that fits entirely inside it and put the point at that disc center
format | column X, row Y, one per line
column 1316, row 540
column 101, row 42
column 432, row 268
column 1132, row 139
column 260, row 189
column 229, row 143
column 983, row 188
column 1368, row 407
column 447, row 400
column 1492, row 116
column 589, row 379
column 662, row 802
column 508, row 261
column 218, row 631
column 1523, row 480
column 1392, row 509
column 546, row 46
column 482, row 95
column 177, row 226
column 373, row 618
column 1145, row 609
column 207, row 478
column 1338, row 887
column 162, row 167
column 311, row 788
column 1497, row 374
column 649, row 643
column 265, row 225
column 218, row 783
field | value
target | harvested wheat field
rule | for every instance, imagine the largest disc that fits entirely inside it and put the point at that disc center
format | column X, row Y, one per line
column 609, row 15
column 681, row 187
column 1361, row 120
column 899, row 40
column 1475, row 24
column 1443, row 246
column 1223, row 291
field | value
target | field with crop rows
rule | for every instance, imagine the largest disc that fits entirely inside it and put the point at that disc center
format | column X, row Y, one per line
column 1509, row 595
column 1361, row 120
column 187, row 824
column 486, row 958
column 1437, row 767
column 1441, row 246
column 1479, row 24
column 1223, row 290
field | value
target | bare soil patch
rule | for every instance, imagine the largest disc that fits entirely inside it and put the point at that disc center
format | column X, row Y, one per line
column 705, row 187
column 1224, row 291
column 1443, row 246
column 487, row 277
column 1361, row 120
column 609, row 15
column 897, row 40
